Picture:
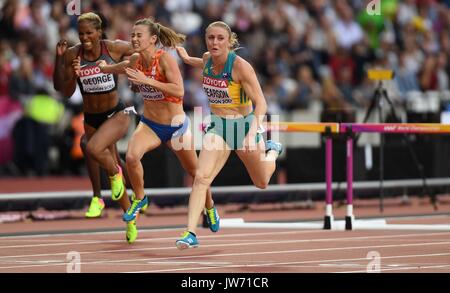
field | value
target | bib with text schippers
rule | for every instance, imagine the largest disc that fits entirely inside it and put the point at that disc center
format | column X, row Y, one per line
column 152, row 71
column 150, row 93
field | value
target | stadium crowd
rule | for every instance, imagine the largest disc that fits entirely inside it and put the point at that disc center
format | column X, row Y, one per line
column 306, row 53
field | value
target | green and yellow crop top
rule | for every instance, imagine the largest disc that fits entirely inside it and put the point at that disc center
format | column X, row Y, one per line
column 221, row 90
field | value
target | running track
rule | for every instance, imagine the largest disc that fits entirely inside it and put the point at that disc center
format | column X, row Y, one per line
column 101, row 247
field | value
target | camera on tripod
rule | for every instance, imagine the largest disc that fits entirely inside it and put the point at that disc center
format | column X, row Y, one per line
column 380, row 74
column 379, row 95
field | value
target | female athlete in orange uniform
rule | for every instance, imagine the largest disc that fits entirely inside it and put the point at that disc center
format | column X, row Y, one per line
column 156, row 76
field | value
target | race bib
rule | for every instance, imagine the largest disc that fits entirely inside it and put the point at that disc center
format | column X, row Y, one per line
column 150, row 93
column 94, row 81
column 216, row 90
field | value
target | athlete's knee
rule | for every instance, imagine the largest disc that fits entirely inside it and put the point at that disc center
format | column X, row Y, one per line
column 132, row 159
column 92, row 149
column 202, row 179
column 191, row 171
column 261, row 184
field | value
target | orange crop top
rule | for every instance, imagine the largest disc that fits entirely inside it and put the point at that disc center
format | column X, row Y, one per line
column 150, row 93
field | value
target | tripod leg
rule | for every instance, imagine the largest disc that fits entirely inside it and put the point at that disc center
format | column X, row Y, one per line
column 416, row 161
column 373, row 104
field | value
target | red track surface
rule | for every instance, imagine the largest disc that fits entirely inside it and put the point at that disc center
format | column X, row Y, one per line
column 102, row 247
column 232, row 249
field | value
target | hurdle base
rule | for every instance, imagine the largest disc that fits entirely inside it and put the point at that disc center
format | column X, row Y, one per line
column 349, row 222
column 327, row 220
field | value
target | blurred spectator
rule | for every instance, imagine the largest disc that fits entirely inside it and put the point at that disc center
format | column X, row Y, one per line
column 194, row 94
column 307, row 89
column 32, row 134
column 273, row 105
column 290, row 43
column 405, row 79
column 342, row 60
column 428, row 77
column 347, row 31
column 8, row 18
column 334, row 102
column 443, row 72
column 10, row 112
column 21, row 85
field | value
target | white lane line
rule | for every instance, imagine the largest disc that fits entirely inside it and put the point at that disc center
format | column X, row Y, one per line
column 446, row 244
column 45, row 234
column 402, row 269
column 337, row 260
column 156, row 239
column 85, row 242
column 291, row 263
column 253, row 243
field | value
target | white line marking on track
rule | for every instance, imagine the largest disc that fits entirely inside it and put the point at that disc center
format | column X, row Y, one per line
column 234, row 244
column 152, row 239
column 403, row 269
column 241, row 253
column 222, row 236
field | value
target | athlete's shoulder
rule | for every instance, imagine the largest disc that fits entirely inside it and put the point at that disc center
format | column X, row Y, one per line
column 165, row 55
column 134, row 58
column 240, row 63
column 117, row 43
column 242, row 69
column 206, row 56
column 119, row 46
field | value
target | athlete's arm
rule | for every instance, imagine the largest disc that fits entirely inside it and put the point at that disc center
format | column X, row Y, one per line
column 58, row 72
column 64, row 75
column 246, row 76
column 119, row 49
column 193, row 61
column 118, row 68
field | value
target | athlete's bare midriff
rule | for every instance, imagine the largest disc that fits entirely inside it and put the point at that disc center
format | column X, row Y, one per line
column 98, row 103
column 164, row 112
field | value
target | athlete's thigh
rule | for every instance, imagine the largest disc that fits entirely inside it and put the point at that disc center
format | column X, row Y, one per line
column 213, row 155
column 254, row 161
column 185, row 152
column 112, row 130
column 143, row 140
column 89, row 132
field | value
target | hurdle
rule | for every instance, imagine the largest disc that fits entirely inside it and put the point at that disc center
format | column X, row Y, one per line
column 351, row 128
column 319, row 127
